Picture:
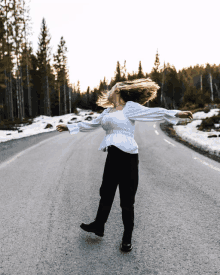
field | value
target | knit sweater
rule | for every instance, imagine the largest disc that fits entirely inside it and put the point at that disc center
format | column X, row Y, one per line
column 120, row 125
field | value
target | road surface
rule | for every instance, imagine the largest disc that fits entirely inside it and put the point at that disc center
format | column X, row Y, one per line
column 50, row 188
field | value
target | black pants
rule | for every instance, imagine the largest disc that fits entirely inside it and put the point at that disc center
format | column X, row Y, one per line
column 120, row 169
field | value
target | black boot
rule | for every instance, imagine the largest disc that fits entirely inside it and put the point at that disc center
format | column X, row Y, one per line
column 126, row 245
column 128, row 221
column 93, row 227
column 98, row 226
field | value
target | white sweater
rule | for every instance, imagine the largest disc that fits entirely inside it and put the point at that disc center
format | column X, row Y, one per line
column 120, row 125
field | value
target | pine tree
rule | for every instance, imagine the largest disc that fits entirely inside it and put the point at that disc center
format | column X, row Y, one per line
column 60, row 65
column 105, row 84
column 163, row 96
column 43, row 57
column 87, row 97
column 27, row 66
column 78, row 87
column 26, row 19
column 118, row 77
column 17, row 16
column 157, row 62
column 102, row 86
column 156, row 76
column 3, row 65
column 124, row 72
column 6, row 16
column 140, row 72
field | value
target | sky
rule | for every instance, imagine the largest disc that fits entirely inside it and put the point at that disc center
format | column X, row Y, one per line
column 98, row 33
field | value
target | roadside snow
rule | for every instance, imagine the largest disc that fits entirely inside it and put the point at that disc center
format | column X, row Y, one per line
column 199, row 138
column 39, row 123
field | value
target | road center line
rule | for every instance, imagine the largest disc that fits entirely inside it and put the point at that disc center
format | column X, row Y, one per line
column 156, row 132
column 205, row 163
column 169, row 142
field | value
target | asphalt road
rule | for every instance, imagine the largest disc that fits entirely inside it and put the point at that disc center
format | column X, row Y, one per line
column 50, row 188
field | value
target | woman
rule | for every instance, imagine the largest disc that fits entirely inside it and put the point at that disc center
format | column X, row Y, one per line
column 123, row 105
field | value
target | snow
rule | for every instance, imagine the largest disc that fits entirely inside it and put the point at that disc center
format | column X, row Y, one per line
column 199, row 138
column 188, row 132
column 39, row 123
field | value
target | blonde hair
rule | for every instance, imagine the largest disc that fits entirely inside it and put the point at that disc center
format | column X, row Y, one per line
column 139, row 90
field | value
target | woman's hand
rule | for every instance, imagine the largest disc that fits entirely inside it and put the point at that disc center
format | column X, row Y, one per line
column 62, row 127
column 186, row 114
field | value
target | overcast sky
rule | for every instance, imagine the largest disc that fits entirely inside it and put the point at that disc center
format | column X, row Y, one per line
column 98, row 33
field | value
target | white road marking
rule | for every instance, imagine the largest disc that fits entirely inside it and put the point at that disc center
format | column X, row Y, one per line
column 169, row 142
column 202, row 161
column 205, row 163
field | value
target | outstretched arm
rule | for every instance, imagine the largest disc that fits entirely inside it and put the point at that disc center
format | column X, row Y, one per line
column 83, row 126
column 135, row 111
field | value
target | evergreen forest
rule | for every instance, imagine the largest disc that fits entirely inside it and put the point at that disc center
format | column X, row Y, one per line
column 34, row 84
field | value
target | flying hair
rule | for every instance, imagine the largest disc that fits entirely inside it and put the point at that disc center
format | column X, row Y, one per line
column 140, row 90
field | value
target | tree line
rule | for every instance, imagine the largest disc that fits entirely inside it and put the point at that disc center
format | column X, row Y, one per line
column 32, row 85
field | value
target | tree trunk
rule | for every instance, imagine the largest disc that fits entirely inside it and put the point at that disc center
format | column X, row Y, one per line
column 211, row 88
column 6, row 105
column 201, row 81
column 48, row 99
column 173, row 100
column 59, row 99
column 45, row 96
column 18, row 99
column 11, row 99
column 22, row 96
column 29, row 92
column 165, row 102
column 64, row 87
column 161, row 96
column 70, row 100
column 217, row 90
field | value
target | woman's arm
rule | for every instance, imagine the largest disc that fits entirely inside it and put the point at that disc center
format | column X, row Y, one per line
column 83, row 126
column 136, row 111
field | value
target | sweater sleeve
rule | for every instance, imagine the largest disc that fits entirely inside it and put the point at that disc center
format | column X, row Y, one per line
column 86, row 126
column 136, row 111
